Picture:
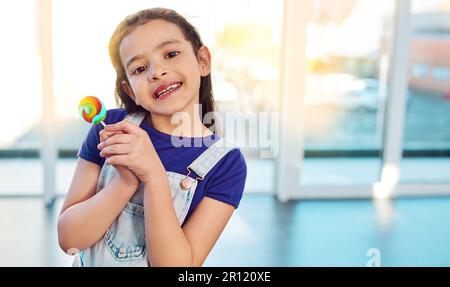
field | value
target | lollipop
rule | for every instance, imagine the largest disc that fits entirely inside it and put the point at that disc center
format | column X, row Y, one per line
column 92, row 110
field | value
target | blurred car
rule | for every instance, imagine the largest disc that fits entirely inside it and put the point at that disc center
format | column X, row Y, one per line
column 345, row 91
column 332, row 89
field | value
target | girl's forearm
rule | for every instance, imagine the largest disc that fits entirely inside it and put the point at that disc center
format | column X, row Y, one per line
column 84, row 223
column 166, row 242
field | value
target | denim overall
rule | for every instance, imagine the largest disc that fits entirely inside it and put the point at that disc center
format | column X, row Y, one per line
column 124, row 242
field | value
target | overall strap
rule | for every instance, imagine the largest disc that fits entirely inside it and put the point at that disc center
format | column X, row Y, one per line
column 135, row 118
column 209, row 158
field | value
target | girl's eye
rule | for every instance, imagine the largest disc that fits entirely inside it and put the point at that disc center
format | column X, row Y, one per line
column 138, row 70
column 172, row 54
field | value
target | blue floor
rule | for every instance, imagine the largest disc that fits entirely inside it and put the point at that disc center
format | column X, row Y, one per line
column 264, row 232
column 407, row 232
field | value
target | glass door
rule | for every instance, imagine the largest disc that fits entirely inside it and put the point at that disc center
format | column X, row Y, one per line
column 426, row 144
column 347, row 53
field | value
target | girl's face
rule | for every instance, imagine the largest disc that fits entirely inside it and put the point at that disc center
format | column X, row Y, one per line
column 162, row 68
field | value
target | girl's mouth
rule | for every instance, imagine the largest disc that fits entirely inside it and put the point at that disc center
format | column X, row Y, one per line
column 167, row 91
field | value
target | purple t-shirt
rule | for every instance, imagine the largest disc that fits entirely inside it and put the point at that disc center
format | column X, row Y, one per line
column 224, row 182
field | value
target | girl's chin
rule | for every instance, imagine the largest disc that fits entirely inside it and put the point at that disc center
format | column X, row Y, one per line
column 171, row 107
column 166, row 111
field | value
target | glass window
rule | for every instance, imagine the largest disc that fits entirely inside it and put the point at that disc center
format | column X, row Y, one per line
column 22, row 99
column 347, row 52
column 426, row 149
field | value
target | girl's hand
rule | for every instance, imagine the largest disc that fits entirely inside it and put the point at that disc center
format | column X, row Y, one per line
column 125, row 174
column 130, row 146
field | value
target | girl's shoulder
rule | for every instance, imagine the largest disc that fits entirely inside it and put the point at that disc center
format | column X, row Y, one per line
column 233, row 162
column 235, row 159
column 227, row 181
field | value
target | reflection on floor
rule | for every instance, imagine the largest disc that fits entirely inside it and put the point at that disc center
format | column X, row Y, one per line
column 264, row 232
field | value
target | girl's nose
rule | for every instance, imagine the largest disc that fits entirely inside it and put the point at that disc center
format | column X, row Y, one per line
column 157, row 73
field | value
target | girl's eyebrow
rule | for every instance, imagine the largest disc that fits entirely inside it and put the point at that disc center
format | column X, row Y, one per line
column 159, row 47
column 167, row 42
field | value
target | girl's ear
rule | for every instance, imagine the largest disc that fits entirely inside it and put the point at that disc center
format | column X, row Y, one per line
column 204, row 61
column 129, row 91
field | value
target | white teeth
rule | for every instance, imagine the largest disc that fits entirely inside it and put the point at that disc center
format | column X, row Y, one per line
column 168, row 89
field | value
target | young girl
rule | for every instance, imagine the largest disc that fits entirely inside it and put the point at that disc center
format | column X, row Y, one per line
column 136, row 198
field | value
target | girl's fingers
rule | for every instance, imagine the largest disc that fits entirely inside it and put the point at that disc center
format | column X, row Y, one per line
column 106, row 134
column 115, row 139
column 117, row 160
column 116, row 149
column 123, row 126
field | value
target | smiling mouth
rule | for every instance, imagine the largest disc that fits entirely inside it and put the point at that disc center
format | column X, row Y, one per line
column 167, row 91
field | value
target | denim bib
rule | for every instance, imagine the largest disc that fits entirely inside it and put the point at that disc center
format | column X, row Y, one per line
column 124, row 242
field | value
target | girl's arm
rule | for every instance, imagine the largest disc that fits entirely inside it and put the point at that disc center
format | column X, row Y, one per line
column 168, row 243
column 86, row 215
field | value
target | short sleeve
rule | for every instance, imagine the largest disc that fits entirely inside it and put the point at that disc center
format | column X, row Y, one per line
column 227, row 182
column 88, row 150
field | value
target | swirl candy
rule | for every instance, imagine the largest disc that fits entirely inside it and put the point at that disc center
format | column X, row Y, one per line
column 92, row 110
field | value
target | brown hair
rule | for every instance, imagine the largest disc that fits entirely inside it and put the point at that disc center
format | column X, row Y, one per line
column 191, row 34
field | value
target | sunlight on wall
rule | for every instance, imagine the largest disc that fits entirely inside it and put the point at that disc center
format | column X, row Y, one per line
column 20, row 74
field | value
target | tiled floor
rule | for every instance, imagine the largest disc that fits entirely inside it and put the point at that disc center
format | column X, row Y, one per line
column 264, row 232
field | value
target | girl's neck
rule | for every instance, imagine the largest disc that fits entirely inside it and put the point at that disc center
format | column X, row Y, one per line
column 189, row 125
